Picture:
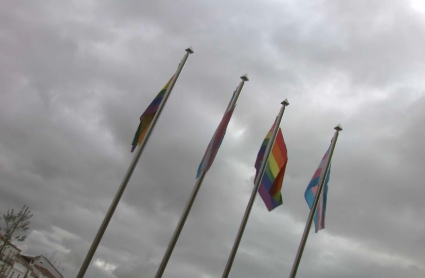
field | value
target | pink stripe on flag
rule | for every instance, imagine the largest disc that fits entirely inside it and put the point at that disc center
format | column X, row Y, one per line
column 317, row 173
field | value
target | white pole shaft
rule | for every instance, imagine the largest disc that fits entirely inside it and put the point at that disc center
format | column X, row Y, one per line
column 188, row 207
column 180, row 225
column 254, row 193
column 130, row 170
column 235, row 98
column 313, row 209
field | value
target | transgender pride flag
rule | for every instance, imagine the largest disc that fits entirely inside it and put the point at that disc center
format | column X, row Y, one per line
column 313, row 187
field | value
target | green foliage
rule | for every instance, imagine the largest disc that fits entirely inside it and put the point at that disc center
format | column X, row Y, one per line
column 16, row 223
column 14, row 227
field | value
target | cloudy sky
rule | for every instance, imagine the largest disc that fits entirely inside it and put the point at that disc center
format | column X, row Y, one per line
column 75, row 77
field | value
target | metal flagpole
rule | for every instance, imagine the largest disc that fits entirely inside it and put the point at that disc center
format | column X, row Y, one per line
column 322, row 180
column 192, row 197
column 254, row 191
column 130, row 170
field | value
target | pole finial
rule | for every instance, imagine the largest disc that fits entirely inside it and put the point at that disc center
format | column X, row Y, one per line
column 245, row 77
column 338, row 127
column 189, row 50
column 285, row 102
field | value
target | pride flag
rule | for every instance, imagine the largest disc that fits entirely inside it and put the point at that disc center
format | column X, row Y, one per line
column 313, row 187
column 271, row 183
column 147, row 117
column 216, row 140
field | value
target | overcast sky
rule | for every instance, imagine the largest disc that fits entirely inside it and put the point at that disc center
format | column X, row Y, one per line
column 75, row 76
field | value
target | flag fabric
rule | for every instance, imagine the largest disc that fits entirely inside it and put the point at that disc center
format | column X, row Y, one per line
column 274, row 173
column 217, row 138
column 313, row 187
column 147, row 117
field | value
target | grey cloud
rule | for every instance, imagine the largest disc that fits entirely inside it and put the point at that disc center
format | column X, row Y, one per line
column 75, row 78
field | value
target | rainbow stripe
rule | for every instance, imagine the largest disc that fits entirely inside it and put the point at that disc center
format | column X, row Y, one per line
column 313, row 187
column 147, row 117
column 271, row 183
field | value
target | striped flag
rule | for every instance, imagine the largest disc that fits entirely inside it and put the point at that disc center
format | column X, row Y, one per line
column 313, row 187
column 216, row 140
column 147, row 117
column 274, row 173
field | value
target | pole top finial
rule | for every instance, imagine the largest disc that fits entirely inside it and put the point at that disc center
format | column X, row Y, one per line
column 338, row 127
column 245, row 77
column 285, row 102
column 189, row 50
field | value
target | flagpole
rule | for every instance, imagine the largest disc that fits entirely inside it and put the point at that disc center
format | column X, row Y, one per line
column 322, row 180
column 254, row 191
column 192, row 197
column 130, row 170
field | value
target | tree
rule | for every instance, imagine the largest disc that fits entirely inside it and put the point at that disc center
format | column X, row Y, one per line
column 16, row 222
column 14, row 228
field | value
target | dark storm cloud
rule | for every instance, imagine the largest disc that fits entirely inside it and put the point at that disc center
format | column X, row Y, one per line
column 75, row 78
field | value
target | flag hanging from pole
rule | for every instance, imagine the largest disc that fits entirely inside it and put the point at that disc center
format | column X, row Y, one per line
column 274, row 173
column 313, row 187
column 147, row 117
column 217, row 138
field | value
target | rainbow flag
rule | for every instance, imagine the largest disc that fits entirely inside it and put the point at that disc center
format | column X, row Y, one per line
column 271, row 184
column 147, row 117
column 313, row 187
